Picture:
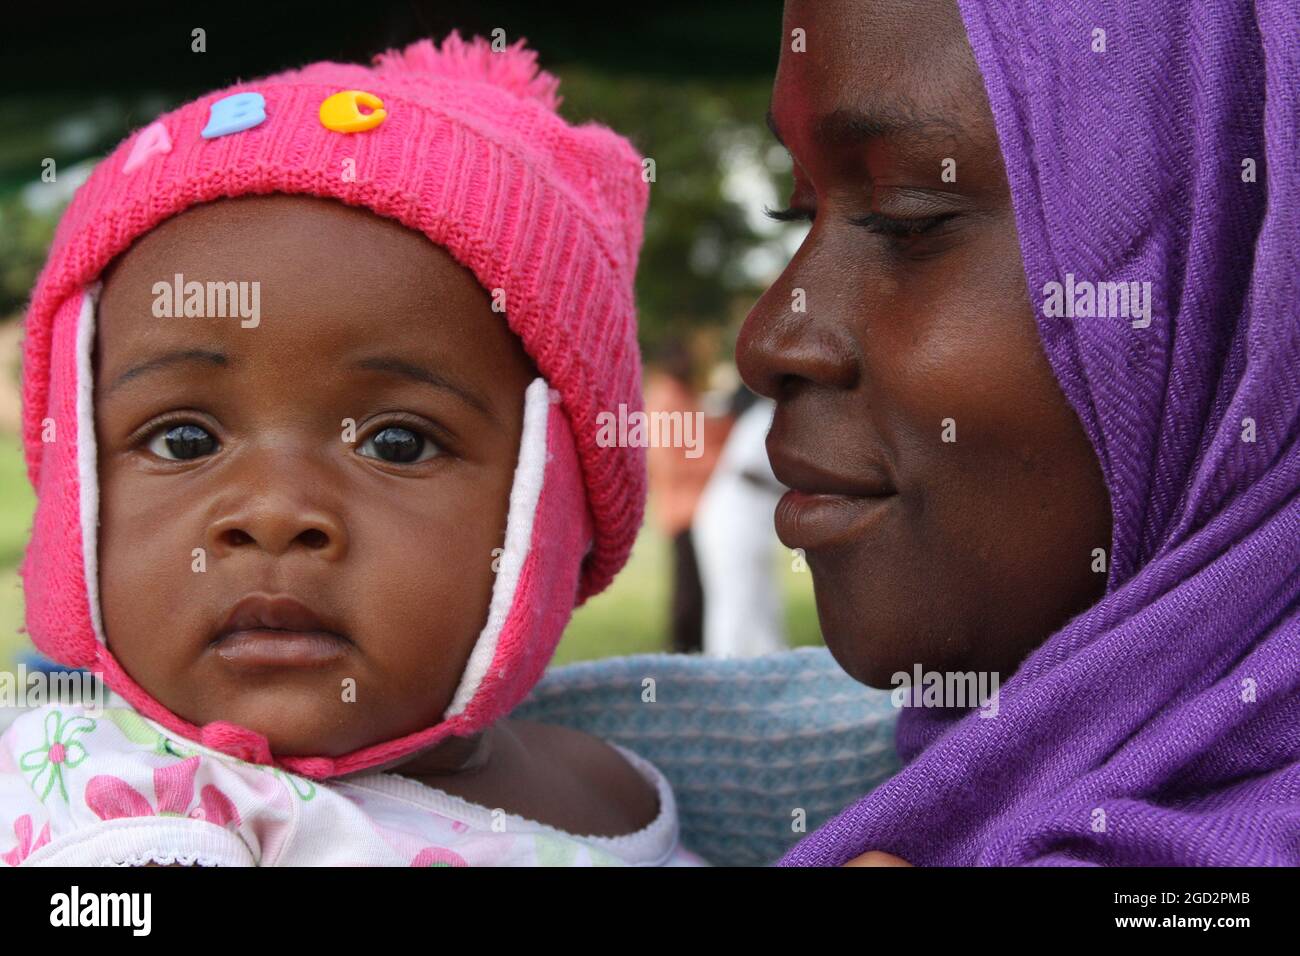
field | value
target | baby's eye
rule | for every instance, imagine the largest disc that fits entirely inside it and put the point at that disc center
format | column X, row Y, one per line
column 182, row 442
column 398, row 445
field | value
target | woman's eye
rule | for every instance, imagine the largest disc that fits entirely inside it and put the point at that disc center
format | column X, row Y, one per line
column 398, row 445
column 900, row 228
column 873, row 222
column 182, row 442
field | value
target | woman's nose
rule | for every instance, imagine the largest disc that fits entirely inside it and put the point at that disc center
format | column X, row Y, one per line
column 793, row 336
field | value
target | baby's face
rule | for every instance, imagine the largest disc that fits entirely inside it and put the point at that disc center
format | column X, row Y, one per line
column 352, row 446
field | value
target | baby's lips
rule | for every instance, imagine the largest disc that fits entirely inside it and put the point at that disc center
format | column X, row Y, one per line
column 280, row 612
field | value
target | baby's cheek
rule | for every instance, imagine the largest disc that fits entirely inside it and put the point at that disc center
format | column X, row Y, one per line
column 152, row 585
column 429, row 589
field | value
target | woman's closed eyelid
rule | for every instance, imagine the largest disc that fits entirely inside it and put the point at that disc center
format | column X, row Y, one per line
column 901, row 227
column 873, row 221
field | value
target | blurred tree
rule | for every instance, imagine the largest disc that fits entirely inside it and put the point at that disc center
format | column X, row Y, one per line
column 24, row 237
column 687, row 87
column 696, row 236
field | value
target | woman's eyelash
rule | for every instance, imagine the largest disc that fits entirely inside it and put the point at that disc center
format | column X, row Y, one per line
column 793, row 214
column 872, row 222
column 899, row 228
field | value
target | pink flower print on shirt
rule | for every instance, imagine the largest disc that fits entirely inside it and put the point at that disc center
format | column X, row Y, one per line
column 61, row 751
column 438, row 856
column 112, row 798
column 25, row 847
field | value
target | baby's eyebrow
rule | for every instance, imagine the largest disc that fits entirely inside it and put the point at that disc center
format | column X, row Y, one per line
column 378, row 363
column 174, row 357
column 399, row 366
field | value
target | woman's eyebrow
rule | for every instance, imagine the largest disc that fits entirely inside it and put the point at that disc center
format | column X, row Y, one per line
column 848, row 126
column 400, row 366
column 174, row 357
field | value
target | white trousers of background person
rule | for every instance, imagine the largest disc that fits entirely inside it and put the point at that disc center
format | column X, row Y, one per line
column 735, row 545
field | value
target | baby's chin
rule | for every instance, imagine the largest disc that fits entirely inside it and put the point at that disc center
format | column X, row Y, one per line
column 297, row 721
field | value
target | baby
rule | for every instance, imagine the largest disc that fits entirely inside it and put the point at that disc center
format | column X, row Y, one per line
column 311, row 383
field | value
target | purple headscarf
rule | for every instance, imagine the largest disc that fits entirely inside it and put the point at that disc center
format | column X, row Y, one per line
column 1162, row 726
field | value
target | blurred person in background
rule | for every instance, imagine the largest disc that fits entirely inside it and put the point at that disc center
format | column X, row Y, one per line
column 735, row 542
column 677, row 481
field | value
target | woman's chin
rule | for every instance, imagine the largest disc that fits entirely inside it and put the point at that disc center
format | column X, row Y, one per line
column 868, row 655
column 874, row 647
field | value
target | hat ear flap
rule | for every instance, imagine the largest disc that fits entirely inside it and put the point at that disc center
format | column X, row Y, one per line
column 60, row 567
column 548, row 533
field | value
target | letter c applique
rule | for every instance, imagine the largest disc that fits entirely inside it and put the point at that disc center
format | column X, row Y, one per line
column 341, row 112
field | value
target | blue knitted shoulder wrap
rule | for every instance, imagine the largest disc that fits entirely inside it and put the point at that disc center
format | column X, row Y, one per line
column 746, row 743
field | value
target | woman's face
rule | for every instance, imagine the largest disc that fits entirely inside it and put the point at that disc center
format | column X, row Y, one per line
column 353, row 449
column 944, row 492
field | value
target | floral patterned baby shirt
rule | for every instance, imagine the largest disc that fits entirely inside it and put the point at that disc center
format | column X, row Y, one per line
column 86, row 787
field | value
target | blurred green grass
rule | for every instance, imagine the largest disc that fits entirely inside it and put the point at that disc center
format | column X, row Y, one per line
column 630, row 617
column 16, row 504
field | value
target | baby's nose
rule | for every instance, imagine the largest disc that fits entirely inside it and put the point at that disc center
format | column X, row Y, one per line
column 276, row 528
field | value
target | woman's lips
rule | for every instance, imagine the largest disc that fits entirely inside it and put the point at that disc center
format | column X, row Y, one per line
column 810, row 521
column 826, row 506
column 267, row 647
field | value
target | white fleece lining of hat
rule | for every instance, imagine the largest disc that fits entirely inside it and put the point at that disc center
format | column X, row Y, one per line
column 524, row 495
column 87, row 460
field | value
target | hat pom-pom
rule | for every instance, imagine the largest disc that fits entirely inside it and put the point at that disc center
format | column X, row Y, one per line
column 513, row 68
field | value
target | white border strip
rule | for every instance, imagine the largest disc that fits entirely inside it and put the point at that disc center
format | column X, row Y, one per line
column 524, row 495
column 87, row 458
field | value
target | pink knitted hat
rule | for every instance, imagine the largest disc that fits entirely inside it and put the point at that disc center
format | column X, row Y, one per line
column 462, row 144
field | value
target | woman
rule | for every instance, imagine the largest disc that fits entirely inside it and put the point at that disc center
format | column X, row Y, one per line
column 1005, row 462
